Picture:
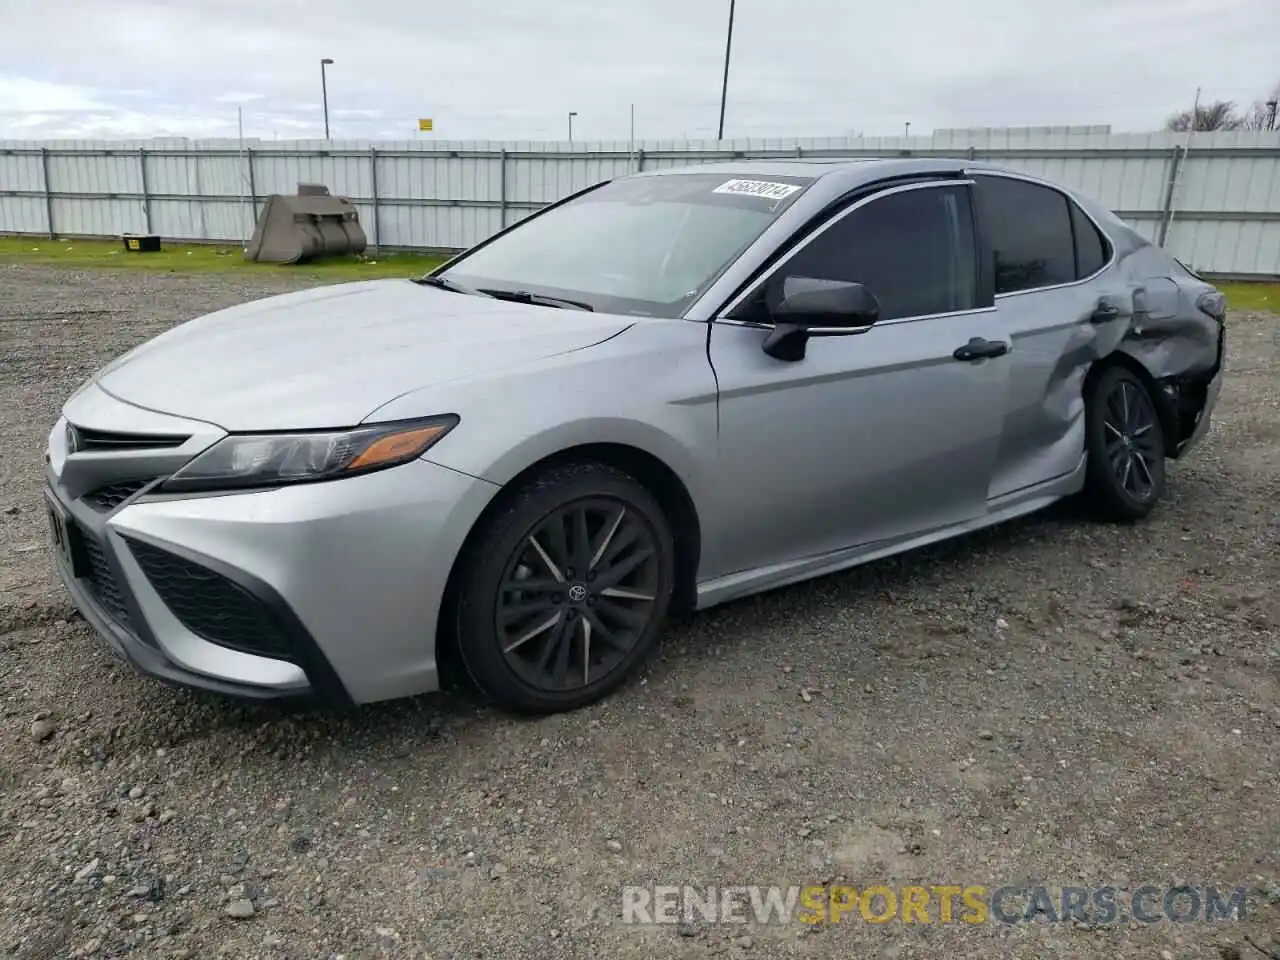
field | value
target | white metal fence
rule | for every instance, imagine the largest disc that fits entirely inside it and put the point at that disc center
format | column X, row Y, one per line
column 1215, row 203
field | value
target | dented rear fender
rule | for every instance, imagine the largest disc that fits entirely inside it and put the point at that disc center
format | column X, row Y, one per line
column 1172, row 328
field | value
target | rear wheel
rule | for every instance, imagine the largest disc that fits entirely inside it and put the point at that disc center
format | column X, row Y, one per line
column 1125, row 443
column 565, row 589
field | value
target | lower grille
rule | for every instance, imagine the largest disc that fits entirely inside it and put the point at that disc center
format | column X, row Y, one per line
column 210, row 605
column 107, row 498
column 102, row 582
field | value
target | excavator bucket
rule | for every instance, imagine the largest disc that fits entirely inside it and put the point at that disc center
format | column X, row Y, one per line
column 295, row 229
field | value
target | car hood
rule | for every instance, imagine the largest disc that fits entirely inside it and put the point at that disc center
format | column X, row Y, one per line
column 330, row 356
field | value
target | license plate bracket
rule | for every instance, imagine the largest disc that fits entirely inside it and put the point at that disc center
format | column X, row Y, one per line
column 67, row 544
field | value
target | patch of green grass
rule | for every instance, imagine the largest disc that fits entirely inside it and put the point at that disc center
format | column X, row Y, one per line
column 78, row 254
column 1252, row 296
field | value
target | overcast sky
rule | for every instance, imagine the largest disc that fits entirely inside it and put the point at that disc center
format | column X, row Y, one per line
column 513, row 69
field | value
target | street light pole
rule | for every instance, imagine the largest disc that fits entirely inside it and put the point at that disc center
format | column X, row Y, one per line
column 724, row 86
column 572, row 114
column 324, row 94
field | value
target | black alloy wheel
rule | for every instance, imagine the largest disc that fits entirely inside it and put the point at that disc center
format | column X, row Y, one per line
column 565, row 590
column 576, row 596
column 1133, row 439
column 1126, row 446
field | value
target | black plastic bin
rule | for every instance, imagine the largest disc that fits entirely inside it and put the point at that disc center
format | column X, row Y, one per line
column 141, row 242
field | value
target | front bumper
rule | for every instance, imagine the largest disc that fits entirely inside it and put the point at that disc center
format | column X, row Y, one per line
column 328, row 591
column 149, row 657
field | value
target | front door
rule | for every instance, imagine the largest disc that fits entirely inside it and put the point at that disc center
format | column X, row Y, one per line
column 872, row 438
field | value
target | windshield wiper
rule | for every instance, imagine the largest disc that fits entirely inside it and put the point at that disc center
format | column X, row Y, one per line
column 444, row 283
column 537, row 299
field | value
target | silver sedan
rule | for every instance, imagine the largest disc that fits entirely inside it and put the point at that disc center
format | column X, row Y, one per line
column 662, row 393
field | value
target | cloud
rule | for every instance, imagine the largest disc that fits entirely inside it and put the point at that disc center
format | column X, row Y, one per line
column 27, row 95
column 239, row 98
column 507, row 69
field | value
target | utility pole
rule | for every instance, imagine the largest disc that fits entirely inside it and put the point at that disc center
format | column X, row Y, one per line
column 324, row 94
column 724, row 86
column 572, row 114
column 1177, row 175
column 631, row 149
column 244, row 197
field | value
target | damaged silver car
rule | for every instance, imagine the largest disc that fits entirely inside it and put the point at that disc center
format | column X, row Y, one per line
column 666, row 391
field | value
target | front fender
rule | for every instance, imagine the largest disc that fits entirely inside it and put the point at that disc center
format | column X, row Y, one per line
column 502, row 464
column 650, row 388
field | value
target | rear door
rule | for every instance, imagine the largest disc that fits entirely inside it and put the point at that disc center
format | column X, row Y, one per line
column 873, row 438
column 1047, row 256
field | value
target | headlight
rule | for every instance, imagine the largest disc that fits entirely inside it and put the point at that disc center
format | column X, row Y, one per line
column 269, row 460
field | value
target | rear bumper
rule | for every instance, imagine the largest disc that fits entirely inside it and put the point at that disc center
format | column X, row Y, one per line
column 1202, row 425
column 1212, row 391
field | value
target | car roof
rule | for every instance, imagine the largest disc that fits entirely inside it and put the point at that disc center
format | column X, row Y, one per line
column 860, row 168
column 835, row 173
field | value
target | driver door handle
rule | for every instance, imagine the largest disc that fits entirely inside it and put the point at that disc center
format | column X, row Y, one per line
column 980, row 349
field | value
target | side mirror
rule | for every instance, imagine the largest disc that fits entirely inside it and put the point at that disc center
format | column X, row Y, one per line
column 832, row 306
column 810, row 302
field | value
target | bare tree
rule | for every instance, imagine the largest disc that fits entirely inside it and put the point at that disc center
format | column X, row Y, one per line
column 1224, row 115
column 1219, row 115
column 1262, row 115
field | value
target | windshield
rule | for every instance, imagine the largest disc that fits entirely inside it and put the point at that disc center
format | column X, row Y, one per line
column 647, row 245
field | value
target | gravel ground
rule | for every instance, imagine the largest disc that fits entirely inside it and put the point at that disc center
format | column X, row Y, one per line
column 1051, row 702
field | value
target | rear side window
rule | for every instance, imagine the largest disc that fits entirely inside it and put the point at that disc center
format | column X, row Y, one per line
column 1029, row 228
column 1092, row 251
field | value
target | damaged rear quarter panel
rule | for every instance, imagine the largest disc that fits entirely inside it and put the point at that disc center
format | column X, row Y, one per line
column 1160, row 325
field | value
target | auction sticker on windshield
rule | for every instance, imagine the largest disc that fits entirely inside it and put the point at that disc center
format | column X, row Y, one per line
column 757, row 188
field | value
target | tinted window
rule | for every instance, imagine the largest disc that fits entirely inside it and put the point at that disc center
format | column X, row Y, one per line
column 1029, row 229
column 914, row 250
column 1091, row 248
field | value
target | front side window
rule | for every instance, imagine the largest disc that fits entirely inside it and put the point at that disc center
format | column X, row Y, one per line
column 914, row 250
column 644, row 245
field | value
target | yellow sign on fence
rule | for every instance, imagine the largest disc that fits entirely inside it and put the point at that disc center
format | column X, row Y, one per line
column 425, row 124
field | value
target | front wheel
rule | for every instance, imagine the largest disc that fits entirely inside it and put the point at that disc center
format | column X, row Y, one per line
column 564, row 589
column 1125, row 473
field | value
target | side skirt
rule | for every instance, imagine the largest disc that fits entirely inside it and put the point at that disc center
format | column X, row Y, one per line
column 1017, row 503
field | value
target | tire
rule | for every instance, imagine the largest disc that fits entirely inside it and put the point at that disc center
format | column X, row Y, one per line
column 517, row 576
column 1125, row 470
